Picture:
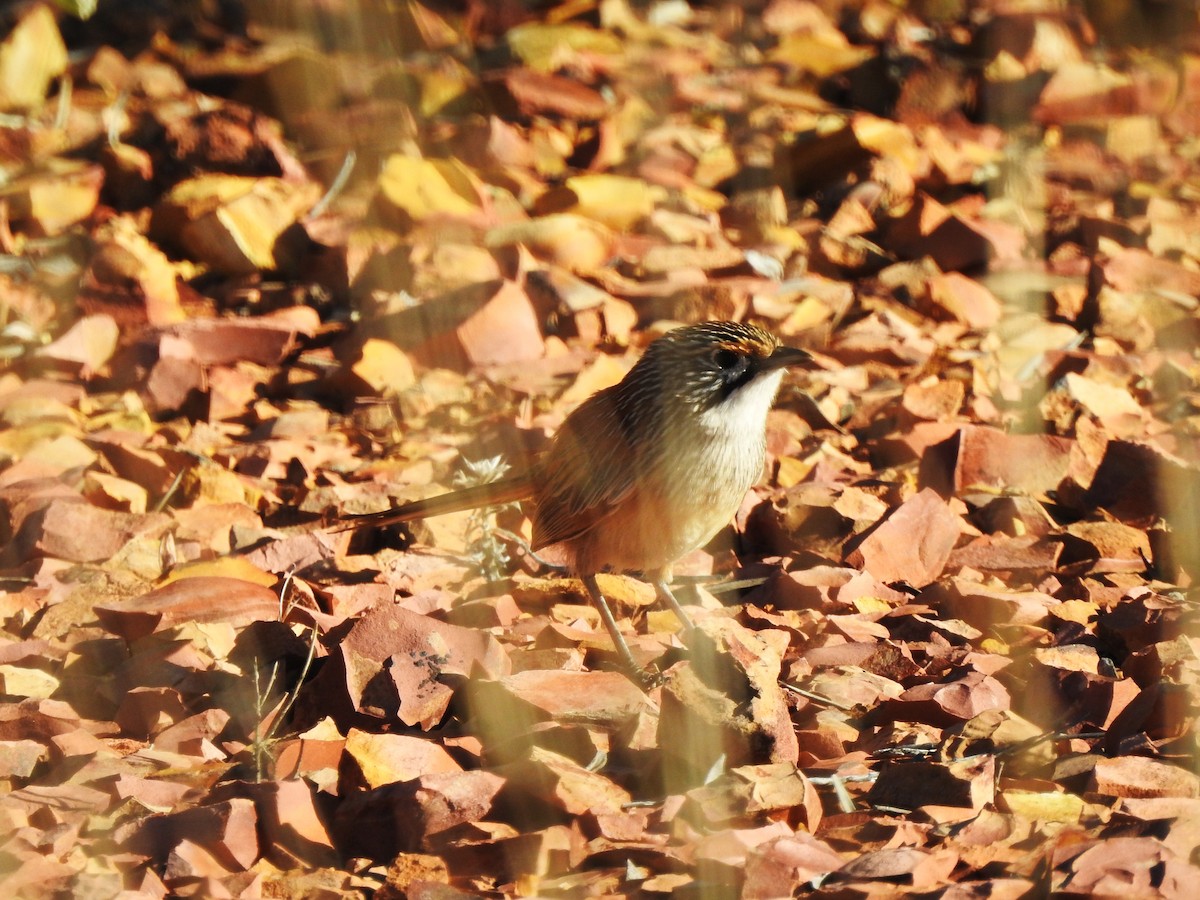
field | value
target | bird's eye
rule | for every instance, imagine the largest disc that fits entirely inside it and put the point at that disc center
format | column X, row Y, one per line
column 725, row 359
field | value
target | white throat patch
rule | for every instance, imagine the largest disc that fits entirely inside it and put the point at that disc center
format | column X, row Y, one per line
column 745, row 410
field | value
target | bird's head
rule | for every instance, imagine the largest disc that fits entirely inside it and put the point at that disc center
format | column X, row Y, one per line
column 715, row 365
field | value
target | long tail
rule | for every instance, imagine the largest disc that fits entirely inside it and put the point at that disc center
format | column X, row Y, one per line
column 506, row 490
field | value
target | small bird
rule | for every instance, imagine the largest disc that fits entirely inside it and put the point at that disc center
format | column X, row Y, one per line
column 645, row 471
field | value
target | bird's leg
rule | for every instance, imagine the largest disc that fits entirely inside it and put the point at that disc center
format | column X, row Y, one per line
column 663, row 590
column 623, row 651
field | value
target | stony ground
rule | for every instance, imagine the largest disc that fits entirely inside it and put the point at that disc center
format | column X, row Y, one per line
column 263, row 265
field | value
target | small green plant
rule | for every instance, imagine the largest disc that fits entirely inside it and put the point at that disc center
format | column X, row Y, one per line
column 485, row 549
column 266, row 733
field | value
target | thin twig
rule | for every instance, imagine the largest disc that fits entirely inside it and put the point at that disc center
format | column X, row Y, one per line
column 336, row 187
column 170, row 492
column 63, row 112
column 817, row 698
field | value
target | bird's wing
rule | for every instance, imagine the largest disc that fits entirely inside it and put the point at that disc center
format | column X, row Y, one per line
column 585, row 475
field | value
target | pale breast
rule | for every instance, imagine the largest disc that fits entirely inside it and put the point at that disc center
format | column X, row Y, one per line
column 691, row 478
column 689, row 495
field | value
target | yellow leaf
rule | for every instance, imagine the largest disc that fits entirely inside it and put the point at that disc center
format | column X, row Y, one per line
column 604, row 372
column 871, row 605
column 818, row 55
column 224, row 567
column 1043, row 807
column 541, row 46
column 617, row 201
column 792, row 471
column 31, row 56
column 384, row 367
column 421, row 188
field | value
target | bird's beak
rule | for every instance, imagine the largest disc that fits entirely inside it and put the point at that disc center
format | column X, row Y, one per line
column 785, row 356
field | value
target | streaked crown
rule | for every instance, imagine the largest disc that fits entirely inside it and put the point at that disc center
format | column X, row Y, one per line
column 704, row 364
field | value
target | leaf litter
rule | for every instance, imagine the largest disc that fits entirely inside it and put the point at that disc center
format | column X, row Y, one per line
column 255, row 276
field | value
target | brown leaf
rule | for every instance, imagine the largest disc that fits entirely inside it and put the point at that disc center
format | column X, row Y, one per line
column 535, row 93
column 199, row 599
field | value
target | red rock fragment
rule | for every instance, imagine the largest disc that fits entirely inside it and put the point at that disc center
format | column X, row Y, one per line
column 18, row 759
column 80, row 532
column 490, row 324
column 418, row 649
column 912, row 544
column 889, row 862
column 320, row 747
column 965, row 300
column 911, row 784
column 753, row 790
column 1107, row 547
column 985, row 607
column 1129, row 867
column 224, row 832
column 516, row 703
column 1137, row 482
column 195, row 735
column 727, row 702
column 85, row 347
column 982, row 457
column 263, row 340
column 553, row 852
column 1001, row 553
column 933, row 399
column 386, row 758
column 409, row 871
column 189, row 862
column 1137, row 776
column 721, row 856
column 145, row 711
column 406, row 816
column 37, row 720
column 930, row 229
column 130, row 279
column 174, row 384
column 156, row 794
column 155, row 469
column 290, row 820
column 944, row 704
column 780, row 867
column 1137, row 271
column 563, row 784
